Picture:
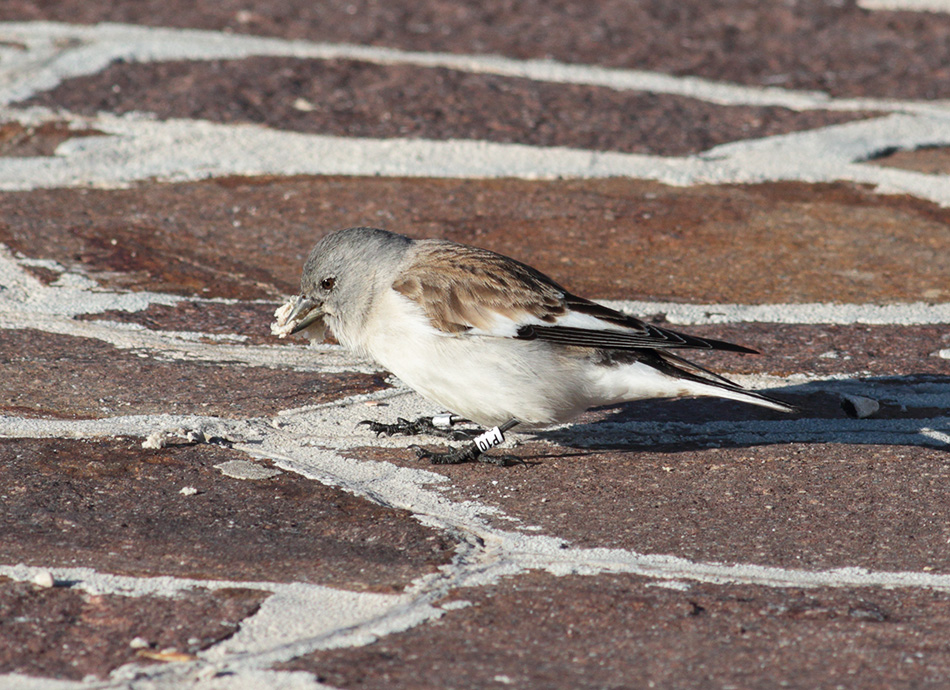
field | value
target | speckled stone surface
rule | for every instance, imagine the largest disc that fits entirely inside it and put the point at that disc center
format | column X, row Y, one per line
column 426, row 103
column 116, row 506
column 850, row 51
column 624, row 631
column 60, row 633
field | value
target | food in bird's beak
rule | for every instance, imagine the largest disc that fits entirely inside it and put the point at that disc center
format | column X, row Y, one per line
column 299, row 315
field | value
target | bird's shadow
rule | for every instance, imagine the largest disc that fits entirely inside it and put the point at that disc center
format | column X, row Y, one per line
column 913, row 410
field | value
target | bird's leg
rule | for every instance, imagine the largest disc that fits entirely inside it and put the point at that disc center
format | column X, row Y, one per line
column 439, row 425
column 475, row 451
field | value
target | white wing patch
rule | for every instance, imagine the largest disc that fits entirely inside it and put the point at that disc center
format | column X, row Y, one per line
column 503, row 326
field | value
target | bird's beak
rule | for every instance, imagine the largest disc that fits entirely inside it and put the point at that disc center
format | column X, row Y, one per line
column 300, row 314
column 304, row 313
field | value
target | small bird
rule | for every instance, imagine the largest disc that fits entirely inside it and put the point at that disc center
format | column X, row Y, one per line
column 487, row 337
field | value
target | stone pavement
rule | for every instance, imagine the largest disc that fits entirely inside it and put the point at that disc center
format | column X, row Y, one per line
column 186, row 501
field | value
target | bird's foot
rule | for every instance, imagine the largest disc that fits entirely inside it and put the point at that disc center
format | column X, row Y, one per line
column 422, row 425
column 466, row 453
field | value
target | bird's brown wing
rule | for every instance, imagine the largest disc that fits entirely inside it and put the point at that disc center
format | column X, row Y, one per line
column 462, row 288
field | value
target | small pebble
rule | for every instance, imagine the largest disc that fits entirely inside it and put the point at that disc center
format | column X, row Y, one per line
column 44, row 579
column 188, row 491
column 858, row 406
column 155, row 440
column 244, row 469
column 303, row 105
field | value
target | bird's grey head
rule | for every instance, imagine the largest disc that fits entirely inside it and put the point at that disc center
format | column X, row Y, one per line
column 342, row 276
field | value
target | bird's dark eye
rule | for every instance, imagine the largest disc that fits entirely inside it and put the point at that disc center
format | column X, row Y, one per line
column 327, row 283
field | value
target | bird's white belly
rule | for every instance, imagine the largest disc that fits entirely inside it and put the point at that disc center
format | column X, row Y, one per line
column 486, row 379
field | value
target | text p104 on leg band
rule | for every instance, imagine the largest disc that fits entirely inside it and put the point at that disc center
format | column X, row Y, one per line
column 491, row 438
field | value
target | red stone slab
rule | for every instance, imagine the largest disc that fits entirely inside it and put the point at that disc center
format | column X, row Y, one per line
column 116, row 507
column 611, row 239
column 790, row 505
column 250, row 320
column 43, row 374
column 18, row 140
column 348, row 98
column 63, row 633
column 933, row 160
column 836, row 47
column 623, row 631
